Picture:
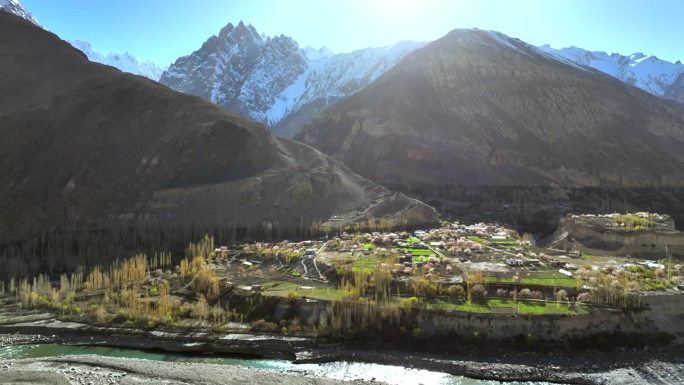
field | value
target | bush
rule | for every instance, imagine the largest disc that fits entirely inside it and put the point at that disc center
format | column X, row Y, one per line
column 410, row 302
column 456, row 291
column 502, row 293
column 265, row 326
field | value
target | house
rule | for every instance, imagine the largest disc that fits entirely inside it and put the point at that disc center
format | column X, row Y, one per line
column 310, row 252
column 514, row 262
column 419, row 233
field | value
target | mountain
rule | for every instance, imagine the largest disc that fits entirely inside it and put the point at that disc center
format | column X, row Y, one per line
column 651, row 74
column 14, row 7
column 85, row 145
column 271, row 79
column 125, row 62
column 478, row 108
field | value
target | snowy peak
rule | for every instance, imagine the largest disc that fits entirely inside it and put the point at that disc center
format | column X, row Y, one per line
column 651, row 74
column 14, row 7
column 272, row 78
column 126, row 62
column 238, row 69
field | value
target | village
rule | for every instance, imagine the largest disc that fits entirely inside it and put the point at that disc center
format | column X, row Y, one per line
column 327, row 285
column 457, row 267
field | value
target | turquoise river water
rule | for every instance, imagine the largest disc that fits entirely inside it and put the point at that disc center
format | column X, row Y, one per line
column 336, row 370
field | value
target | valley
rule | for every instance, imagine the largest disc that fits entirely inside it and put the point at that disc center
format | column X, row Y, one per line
column 463, row 208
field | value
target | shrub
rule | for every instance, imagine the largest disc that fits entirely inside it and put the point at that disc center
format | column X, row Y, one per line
column 410, row 302
column 265, row 326
column 456, row 291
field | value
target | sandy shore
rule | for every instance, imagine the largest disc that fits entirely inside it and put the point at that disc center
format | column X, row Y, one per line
column 94, row 370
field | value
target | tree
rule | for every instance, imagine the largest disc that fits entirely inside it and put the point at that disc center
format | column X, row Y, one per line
column 561, row 295
column 479, row 291
column 525, row 293
column 584, row 297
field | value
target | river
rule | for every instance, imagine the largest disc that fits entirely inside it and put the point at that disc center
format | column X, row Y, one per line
column 389, row 374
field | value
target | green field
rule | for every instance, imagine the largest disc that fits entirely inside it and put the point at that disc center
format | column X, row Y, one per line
column 418, row 252
column 544, row 278
column 477, row 239
column 506, row 242
column 503, row 305
column 365, row 264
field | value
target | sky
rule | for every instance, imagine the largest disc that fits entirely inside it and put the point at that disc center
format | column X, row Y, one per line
column 163, row 30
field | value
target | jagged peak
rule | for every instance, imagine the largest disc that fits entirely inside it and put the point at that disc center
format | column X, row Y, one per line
column 225, row 31
column 241, row 30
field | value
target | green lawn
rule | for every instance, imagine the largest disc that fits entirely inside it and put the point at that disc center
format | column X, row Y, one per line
column 368, row 246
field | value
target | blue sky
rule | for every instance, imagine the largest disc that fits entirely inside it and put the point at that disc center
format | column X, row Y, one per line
column 163, row 30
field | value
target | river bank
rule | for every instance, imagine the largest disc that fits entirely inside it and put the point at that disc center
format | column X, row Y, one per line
column 96, row 370
column 663, row 365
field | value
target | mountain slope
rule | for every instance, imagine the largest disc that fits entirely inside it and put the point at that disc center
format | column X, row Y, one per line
column 86, row 145
column 271, row 78
column 478, row 108
column 125, row 62
column 653, row 75
column 15, row 7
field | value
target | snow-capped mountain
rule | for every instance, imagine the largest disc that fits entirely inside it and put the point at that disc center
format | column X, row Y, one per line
column 653, row 75
column 13, row 6
column 126, row 62
column 272, row 78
